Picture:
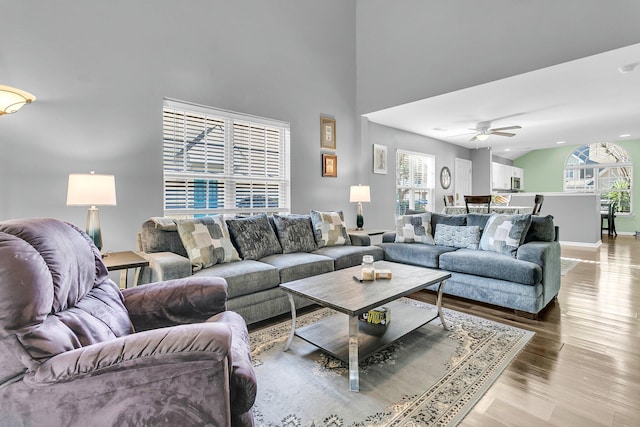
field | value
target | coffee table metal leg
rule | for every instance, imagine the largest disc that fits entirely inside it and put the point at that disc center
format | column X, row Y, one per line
column 439, row 303
column 354, row 373
column 293, row 322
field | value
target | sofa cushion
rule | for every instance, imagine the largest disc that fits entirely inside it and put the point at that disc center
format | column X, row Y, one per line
column 295, row 233
column 348, row 256
column 206, row 241
column 505, row 233
column 492, row 265
column 420, row 255
column 437, row 219
column 458, row 236
column 414, row 228
column 478, row 219
column 155, row 238
column 244, row 277
column 254, row 237
column 541, row 229
column 329, row 228
column 299, row 265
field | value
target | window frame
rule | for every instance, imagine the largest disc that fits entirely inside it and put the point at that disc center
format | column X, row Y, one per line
column 599, row 173
column 428, row 186
column 237, row 156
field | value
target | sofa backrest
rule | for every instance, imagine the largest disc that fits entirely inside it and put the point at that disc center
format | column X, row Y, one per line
column 160, row 234
column 55, row 292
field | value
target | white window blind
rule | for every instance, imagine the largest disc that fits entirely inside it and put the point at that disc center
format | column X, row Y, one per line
column 415, row 176
column 217, row 161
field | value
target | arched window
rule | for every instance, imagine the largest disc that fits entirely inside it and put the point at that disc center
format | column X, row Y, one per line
column 604, row 168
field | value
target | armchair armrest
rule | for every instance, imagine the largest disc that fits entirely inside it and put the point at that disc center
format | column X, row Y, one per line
column 164, row 266
column 359, row 239
column 389, row 237
column 173, row 302
column 205, row 341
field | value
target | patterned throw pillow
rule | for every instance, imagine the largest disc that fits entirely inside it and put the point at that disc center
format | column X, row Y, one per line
column 505, row 233
column 254, row 237
column 206, row 241
column 329, row 229
column 414, row 229
column 458, row 236
column 295, row 233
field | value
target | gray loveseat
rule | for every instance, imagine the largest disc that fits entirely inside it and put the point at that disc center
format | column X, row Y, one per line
column 254, row 255
column 524, row 277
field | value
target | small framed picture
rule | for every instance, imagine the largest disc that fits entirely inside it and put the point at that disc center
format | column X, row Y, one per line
column 329, row 165
column 379, row 159
column 327, row 133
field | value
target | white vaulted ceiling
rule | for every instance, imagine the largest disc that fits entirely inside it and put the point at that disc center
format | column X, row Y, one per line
column 579, row 102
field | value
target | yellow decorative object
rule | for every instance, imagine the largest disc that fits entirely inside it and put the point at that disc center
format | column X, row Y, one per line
column 12, row 99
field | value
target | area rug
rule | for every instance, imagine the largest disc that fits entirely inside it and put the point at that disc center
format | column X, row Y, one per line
column 431, row 377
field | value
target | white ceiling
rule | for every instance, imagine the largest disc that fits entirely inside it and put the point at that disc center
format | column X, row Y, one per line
column 579, row 102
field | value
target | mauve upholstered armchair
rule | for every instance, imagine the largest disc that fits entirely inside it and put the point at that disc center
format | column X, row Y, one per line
column 77, row 351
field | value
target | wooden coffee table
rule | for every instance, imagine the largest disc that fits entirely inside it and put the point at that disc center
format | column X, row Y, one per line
column 339, row 291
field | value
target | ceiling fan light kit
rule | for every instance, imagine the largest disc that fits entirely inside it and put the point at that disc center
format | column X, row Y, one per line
column 484, row 131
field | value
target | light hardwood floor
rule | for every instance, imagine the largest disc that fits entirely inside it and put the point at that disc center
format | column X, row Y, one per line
column 582, row 368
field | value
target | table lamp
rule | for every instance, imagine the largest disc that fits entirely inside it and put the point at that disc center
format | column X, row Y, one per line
column 92, row 190
column 359, row 194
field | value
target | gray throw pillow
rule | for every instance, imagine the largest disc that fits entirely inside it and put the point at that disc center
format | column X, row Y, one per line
column 206, row 241
column 254, row 237
column 414, row 229
column 541, row 229
column 329, row 228
column 295, row 233
column 505, row 233
column 458, row 236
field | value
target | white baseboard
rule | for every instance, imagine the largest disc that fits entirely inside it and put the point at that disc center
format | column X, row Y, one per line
column 582, row 244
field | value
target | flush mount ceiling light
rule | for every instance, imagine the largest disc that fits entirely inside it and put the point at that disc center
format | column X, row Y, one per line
column 12, row 99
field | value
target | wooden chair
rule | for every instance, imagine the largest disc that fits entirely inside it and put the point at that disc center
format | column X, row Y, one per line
column 478, row 200
column 448, row 200
column 608, row 212
column 537, row 204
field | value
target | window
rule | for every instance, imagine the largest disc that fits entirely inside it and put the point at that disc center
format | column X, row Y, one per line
column 603, row 168
column 217, row 161
column 415, row 176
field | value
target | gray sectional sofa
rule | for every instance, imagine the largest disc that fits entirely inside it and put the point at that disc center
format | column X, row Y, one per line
column 268, row 251
column 255, row 254
column 523, row 276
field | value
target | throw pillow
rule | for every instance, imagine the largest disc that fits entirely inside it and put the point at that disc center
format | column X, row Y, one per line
column 541, row 229
column 206, row 241
column 254, row 237
column 414, row 229
column 329, row 228
column 437, row 219
column 295, row 233
column 505, row 233
column 458, row 236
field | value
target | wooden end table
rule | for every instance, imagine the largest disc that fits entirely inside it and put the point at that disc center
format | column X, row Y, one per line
column 124, row 261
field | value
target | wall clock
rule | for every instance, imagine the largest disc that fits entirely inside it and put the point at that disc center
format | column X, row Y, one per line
column 445, row 177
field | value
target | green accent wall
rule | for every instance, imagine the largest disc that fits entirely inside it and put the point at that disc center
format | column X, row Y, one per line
column 543, row 172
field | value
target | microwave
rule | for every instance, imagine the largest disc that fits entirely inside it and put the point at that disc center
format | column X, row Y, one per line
column 515, row 183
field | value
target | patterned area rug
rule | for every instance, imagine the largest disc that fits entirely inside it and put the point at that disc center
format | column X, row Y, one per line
column 431, row 377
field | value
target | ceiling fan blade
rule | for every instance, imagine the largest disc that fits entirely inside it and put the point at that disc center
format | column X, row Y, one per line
column 475, row 138
column 506, row 128
column 503, row 133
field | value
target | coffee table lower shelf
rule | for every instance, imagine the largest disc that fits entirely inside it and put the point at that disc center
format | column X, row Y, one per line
column 329, row 335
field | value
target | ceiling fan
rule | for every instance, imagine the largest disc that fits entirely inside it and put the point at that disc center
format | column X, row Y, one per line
column 484, row 130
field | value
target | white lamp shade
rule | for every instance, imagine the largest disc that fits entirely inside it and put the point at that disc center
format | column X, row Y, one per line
column 12, row 99
column 359, row 193
column 91, row 190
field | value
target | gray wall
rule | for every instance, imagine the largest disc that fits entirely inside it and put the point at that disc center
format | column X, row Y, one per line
column 100, row 70
column 414, row 49
column 380, row 212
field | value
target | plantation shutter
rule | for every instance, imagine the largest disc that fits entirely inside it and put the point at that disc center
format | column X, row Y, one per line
column 216, row 161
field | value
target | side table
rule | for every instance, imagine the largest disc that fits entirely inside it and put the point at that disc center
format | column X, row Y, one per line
column 124, row 261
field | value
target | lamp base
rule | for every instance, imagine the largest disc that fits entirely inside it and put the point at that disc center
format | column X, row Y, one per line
column 93, row 227
column 359, row 217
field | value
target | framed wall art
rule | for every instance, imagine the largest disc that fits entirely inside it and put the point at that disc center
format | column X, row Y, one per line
column 379, row 159
column 327, row 133
column 329, row 165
